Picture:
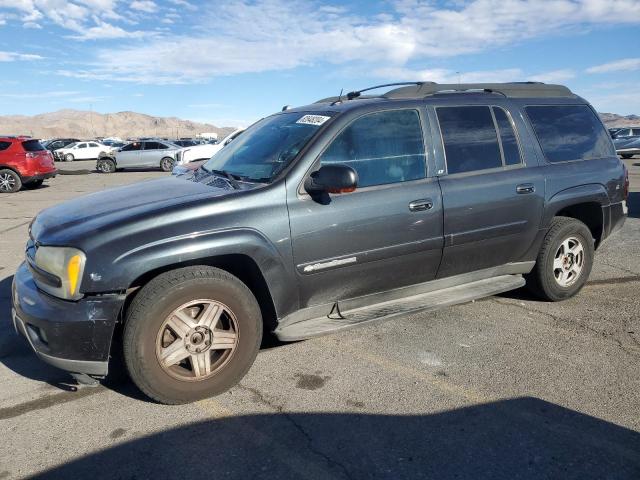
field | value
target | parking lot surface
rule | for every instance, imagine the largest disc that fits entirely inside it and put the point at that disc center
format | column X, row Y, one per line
column 505, row 387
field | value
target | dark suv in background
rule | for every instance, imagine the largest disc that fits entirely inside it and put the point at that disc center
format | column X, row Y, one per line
column 318, row 219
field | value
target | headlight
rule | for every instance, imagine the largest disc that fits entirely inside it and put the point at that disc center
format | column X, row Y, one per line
column 64, row 264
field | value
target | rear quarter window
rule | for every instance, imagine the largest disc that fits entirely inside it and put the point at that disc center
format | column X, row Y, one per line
column 32, row 146
column 569, row 132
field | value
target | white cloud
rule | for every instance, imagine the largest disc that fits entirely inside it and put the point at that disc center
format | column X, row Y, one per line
column 144, row 6
column 13, row 56
column 554, row 76
column 103, row 30
column 624, row 65
column 266, row 35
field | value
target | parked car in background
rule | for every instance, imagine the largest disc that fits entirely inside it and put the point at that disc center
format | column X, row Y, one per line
column 185, row 143
column 141, row 154
column 612, row 131
column 187, row 167
column 319, row 219
column 623, row 140
column 207, row 150
column 630, row 149
column 57, row 143
column 82, row 151
column 24, row 162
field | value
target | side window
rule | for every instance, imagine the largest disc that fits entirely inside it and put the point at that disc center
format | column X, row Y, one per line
column 508, row 138
column 93, row 145
column 161, row 146
column 384, row 147
column 131, row 147
column 4, row 145
column 151, row 145
column 635, row 132
column 469, row 137
column 624, row 132
column 82, row 145
column 569, row 132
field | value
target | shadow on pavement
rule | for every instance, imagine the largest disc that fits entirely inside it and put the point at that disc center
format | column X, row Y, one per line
column 633, row 202
column 522, row 438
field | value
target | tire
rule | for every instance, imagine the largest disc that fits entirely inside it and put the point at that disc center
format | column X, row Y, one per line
column 554, row 276
column 34, row 184
column 148, row 336
column 106, row 165
column 626, row 156
column 69, row 157
column 167, row 164
column 10, row 181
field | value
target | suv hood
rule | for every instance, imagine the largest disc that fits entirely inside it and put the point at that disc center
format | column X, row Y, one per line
column 90, row 214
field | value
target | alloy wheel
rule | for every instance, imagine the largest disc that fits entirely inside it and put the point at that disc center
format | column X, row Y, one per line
column 568, row 262
column 7, row 182
column 197, row 339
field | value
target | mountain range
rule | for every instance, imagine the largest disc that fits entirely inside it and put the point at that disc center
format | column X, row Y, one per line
column 85, row 125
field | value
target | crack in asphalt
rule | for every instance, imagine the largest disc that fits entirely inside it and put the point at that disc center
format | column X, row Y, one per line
column 48, row 401
column 14, row 227
column 560, row 320
column 259, row 396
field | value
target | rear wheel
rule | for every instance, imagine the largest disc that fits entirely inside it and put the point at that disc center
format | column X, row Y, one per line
column 69, row 157
column 10, row 181
column 166, row 164
column 106, row 165
column 191, row 333
column 564, row 261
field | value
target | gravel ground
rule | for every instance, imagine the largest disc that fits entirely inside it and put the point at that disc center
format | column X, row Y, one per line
column 505, row 387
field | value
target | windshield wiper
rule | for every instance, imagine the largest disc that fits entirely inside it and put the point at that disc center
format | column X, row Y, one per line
column 229, row 176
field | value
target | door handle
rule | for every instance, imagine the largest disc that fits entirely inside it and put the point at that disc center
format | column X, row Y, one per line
column 421, row 205
column 525, row 188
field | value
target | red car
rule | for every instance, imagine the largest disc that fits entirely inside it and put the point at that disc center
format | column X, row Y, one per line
column 23, row 162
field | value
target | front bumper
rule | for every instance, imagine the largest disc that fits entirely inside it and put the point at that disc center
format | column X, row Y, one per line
column 73, row 336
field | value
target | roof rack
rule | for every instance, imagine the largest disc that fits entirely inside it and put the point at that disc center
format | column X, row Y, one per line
column 510, row 90
column 424, row 89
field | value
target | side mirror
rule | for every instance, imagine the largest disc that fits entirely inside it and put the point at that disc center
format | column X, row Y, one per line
column 332, row 179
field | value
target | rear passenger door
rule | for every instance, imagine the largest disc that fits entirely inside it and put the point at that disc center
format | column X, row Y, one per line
column 492, row 199
column 151, row 154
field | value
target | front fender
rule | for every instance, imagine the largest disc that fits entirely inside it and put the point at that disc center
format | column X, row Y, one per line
column 199, row 247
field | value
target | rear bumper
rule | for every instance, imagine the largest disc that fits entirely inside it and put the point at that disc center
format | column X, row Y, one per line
column 40, row 176
column 73, row 336
column 614, row 218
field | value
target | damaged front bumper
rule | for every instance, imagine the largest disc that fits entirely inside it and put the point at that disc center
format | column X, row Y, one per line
column 73, row 336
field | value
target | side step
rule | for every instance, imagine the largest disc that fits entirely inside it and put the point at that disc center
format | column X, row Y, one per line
column 430, row 301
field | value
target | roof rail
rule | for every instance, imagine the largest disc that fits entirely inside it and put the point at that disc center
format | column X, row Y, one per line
column 510, row 90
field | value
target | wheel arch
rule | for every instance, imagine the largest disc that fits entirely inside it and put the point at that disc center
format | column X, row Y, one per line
column 585, row 203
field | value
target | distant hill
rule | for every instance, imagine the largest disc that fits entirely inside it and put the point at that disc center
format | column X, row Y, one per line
column 613, row 120
column 83, row 124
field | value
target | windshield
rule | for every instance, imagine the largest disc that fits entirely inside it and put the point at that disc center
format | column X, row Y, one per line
column 267, row 147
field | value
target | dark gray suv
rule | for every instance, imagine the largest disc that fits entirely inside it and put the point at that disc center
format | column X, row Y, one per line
column 318, row 219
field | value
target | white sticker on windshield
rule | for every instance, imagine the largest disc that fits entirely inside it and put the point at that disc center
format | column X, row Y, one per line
column 313, row 120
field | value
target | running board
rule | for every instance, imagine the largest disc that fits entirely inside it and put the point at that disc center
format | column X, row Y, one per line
column 430, row 301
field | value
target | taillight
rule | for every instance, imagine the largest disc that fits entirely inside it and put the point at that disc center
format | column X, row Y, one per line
column 626, row 182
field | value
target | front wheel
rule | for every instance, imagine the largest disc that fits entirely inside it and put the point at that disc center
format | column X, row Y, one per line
column 190, row 334
column 69, row 157
column 106, row 165
column 166, row 164
column 564, row 261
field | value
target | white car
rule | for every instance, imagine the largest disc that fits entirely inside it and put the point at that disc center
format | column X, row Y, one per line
column 206, row 151
column 81, row 151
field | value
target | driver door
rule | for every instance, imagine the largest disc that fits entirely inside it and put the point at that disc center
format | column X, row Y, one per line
column 129, row 156
column 388, row 232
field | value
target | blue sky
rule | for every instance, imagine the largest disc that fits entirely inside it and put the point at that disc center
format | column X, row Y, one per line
column 232, row 62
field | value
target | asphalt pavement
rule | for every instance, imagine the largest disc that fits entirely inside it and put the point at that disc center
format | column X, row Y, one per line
column 505, row 387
